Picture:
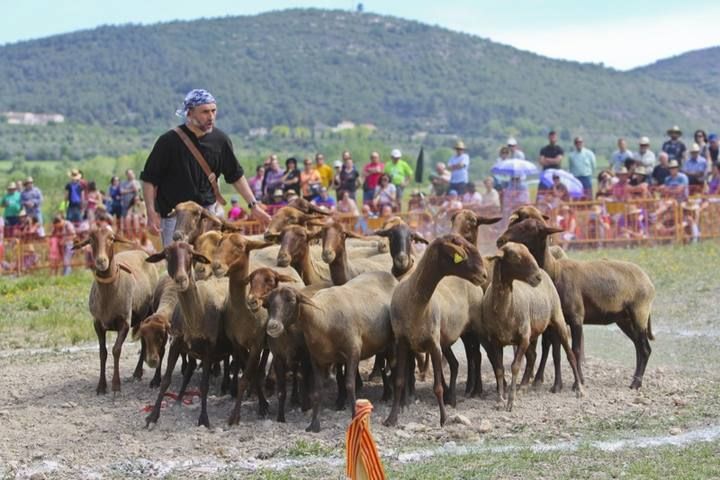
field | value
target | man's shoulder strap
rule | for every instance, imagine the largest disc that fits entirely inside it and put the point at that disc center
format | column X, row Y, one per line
column 203, row 164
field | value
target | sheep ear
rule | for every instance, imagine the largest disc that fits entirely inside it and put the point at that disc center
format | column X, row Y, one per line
column 417, row 238
column 513, row 218
column 171, row 214
column 200, row 258
column 156, row 257
column 281, row 277
column 486, row 220
column 499, row 255
column 121, row 239
column 257, row 245
column 457, row 252
column 382, row 233
column 303, row 299
column 81, row 244
column 545, row 217
column 272, row 236
column 226, row 226
column 351, row 234
column 550, row 230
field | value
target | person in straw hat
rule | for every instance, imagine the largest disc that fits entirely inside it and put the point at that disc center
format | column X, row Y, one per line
column 645, row 156
column 12, row 204
column 676, row 184
column 695, row 166
column 74, row 196
column 32, row 198
column 458, row 165
column 674, row 147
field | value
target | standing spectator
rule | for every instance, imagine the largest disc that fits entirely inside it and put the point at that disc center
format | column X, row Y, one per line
column 63, row 234
column 347, row 204
column 400, row 174
column 93, row 200
column 645, row 156
column 291, row 177
column 310, row 181
column 129, row 191
column 349, row 177
column 325, row 171
column 12, row 204
column 514, row 195
column 701, row 139
column 257, row 181
column 515, row 151
column 661, row 170
column 31, row 198
column 324, row 200
column 674, row 147
column 713, row 148
column 458, row 165
column 371, row 176
column 471, row 198
column 622, row 156
column 491, row 197
column 621, row 189
column 440, row 180
column 605, row 182
column 385, row 194
column 337, row 168
column 639, row 176
column 676, row 184
column 582, row 166
column 273, row 179
column 551, row 154
column 695, row 168
column 115, row 199
column 559, row 190
column 713, row 186
column 236, row 212
column 74, row 195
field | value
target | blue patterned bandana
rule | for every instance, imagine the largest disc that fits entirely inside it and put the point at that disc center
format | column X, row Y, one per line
column 195, row 97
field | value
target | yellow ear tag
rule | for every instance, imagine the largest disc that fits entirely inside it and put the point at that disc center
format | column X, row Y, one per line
column 457, row 258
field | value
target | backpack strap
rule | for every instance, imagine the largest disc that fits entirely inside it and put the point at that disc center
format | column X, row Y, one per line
column 203, row 164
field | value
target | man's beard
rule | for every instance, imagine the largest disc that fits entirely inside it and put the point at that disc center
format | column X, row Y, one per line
column 203, row 127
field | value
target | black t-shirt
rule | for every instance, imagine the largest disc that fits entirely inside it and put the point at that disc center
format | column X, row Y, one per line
column 551, row 151
column 292, row 175
column 348, row 180
column 659, row 175
column 179, row 177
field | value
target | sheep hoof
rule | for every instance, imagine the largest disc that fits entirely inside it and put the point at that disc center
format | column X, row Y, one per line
column 204, row 421
column 557, row 388
column 636, row 384
column 579, row 393
column 443, row 419
column 155, row 383
column 263, row 408
column 138, row 374
column 391, row 421
column 101, row 390
column 234, row 418
column 314, row 426
column 509, row 407
column 281, row 418
column 151, row 421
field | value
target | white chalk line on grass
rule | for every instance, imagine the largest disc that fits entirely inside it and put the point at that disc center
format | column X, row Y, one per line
column 158, row 469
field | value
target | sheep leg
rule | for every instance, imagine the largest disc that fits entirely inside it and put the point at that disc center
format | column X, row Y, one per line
column 155, row 382
column 515, row 368
column 340, row 373
column 350, row 379
column 307, row 382
column 562, row 335
column 470, row 342
column 409, row 392
column 116, row 351
column 317, row 390
column 496, row 353
column 387, row 388
column 279, row 367
column 642, row 350
column 268, row 378
column 575, row 320
column 377, row 366
column 101, row 334
column 263, row 404
column 436, row 357
column 449, row 395
column 173, row 355
column 138, row 373
column 423, row 362
column 245, row 380
column 546, row 341
column 530, row 357
column 204, row 388
column 225, row 385
column 398, row 375
column 295, row 387
column 558, row 384
column 187, row 375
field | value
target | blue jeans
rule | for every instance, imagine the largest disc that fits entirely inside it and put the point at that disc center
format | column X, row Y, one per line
column 587, row 185
column 74, row 213
column 167, row 228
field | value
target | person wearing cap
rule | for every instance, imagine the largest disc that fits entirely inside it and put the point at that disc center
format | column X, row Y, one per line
column 582, row 165
column 325, row 170
column 676, row 184
column 451, row 204
column 661, row 170
column 622, row 157
column 458, row 165
column 551, row 154
column 639, row 176
column 695, row 167
column 515, row 151
column 172, row 174
column 372, row 172
column 12, row 204
column 621, row 189
column 645, row 156
column 674, row 147
column 32, row 198
column 74, row 196
column 400, row 174
column 713, row 148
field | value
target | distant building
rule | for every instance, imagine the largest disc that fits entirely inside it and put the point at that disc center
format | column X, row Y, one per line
column 368, row 126
column 29, row 118
column 258, row 132
column 344, row 125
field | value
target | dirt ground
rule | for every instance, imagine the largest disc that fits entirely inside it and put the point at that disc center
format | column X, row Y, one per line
column 54, row 426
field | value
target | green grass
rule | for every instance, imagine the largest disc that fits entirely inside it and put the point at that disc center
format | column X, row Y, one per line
column 310, row 448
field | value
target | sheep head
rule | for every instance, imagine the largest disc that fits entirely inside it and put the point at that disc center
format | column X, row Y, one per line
column 288, row 216
column 283, row 305
column 401, row 239
column 206, row 244
column 179, row 256
column 192, row 220
column 154, row 331
column 307, row 207
column 466, row 223
column 333, row 236
column 294, row 244
column 525, row 212
column 453, row 255
column 101, row 241
column 233, row 253
column 262, row 281
column 515, row 262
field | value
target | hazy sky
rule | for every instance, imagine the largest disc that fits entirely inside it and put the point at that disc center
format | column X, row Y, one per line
column 621, row 34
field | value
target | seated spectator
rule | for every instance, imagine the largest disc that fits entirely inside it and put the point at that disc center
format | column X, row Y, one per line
column 568, row 222
column 661, row 170
column 471, row 199
column 386, row 212
column 620, row 190
column 385, row 194
column 451, row 204
column 324, row 200
column 236, row 211
column 598, row 223
column 277, row 201
column 440, row 180
column 145, row 244
column 102, row 217
column 362, row 221
column 417, row 202
column 695, row 166
column 713, row 186
column 346, row 204
column 514, row 195
column 490, row 197
column 639, row 176
column 558, row 190
column 605, row 180
column 632, row 225
column 676, row 185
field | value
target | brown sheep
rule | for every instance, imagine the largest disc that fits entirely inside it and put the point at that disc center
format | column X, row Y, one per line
column 287, row 216
column 596, row 292
column 334, row 253
column 120, row 296
column 519, row 305
column 192, row 221
column 295, row 252
column 431, row 309
column 336, row 328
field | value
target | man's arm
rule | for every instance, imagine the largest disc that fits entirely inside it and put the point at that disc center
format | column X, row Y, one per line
column 243, row 188
column 153, row 218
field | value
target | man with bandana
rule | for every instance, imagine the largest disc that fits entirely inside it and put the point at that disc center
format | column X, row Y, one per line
column 172, row 175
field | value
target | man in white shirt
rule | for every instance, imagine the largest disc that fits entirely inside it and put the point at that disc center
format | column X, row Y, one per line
column 645, row 156
column 458, row 165
column 515, row 151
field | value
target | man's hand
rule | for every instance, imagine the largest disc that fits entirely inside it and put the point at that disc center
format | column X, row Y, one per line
column 259, row 214
column 153, row 221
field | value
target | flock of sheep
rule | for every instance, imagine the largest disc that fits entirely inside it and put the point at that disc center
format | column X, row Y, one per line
column 230, row 300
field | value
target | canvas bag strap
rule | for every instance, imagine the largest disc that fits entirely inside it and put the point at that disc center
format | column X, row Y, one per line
column 203, row 164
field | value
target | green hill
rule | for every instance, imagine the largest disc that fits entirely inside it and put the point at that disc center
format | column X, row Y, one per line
column 304, row 67
column 698, row 69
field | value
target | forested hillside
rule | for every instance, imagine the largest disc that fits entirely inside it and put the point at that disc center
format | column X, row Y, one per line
column 304, row 67
column 698, row 69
